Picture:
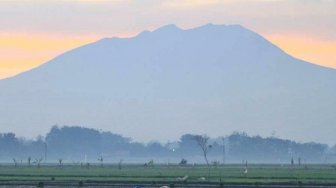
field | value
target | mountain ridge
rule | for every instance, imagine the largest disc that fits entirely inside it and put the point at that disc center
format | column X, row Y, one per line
column 165, row 27
column 209, row 79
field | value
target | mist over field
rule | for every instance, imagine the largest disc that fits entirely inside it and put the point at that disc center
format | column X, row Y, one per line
column 75, row 145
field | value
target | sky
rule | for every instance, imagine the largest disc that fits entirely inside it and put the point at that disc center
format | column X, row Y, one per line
column 35, row 31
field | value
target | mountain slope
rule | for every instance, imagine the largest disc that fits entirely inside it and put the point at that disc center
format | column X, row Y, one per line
column 158, row 85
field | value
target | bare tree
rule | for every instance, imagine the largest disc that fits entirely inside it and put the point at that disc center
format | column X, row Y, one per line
column 38, row 162
column 15, row 162
column 101, row 160
column 202, row 141
column 60, row 162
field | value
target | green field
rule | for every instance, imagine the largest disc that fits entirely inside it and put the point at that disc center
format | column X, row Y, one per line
column 158, row 175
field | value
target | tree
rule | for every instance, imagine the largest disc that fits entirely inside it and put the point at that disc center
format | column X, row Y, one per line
column 245, row 169
column 183, row 162
column 149, row 164
column 29, row 160
column 15, row 162
column 223, row 151
column 120, row 164
column 60, row 162
column 202, row 141
column 101, row 160
column 38, row 162
column 45, row 151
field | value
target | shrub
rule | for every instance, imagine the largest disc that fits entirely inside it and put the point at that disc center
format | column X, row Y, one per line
column 300, row 183
column 40, row 184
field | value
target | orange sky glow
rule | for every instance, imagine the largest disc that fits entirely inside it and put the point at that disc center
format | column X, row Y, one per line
column 34, row 32
column 313, row 50
column 21, row 52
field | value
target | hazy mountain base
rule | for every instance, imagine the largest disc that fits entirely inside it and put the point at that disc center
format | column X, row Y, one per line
column 78, row 144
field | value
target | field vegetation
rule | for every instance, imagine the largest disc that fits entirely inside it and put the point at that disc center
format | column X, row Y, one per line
column 172, row 175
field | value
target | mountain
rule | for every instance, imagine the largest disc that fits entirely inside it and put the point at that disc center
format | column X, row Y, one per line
column 214, row 79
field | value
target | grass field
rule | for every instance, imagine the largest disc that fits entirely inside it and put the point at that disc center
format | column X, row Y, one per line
column 158, row 175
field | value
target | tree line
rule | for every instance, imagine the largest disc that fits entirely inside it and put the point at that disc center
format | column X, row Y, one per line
column 74, row 144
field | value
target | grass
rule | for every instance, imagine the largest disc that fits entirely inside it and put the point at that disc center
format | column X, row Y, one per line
column 163, row 174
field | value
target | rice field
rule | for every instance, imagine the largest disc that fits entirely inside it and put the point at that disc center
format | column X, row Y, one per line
column 133, row 175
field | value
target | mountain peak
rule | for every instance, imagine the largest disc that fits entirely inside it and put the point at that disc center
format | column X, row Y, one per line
column 223, row 26
column 167, row 30
column 169, row 27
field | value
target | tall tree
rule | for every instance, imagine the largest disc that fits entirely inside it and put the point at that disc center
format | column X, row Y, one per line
column 202, row 141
